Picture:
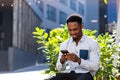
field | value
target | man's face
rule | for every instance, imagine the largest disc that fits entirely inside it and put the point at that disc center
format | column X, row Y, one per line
column 75, row 30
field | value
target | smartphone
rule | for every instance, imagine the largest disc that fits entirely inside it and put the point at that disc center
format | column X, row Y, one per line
column 64, row 51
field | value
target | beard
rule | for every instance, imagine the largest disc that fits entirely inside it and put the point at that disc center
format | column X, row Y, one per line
column 75, row 37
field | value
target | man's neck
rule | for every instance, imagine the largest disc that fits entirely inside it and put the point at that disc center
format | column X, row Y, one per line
column 77, row 40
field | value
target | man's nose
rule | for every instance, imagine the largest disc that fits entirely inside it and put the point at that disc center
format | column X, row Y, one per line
column 72, row 32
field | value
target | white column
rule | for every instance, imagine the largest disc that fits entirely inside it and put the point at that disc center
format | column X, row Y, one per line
column 118, row 32
column 15, row 24
column 20, row 24
column 118, row 20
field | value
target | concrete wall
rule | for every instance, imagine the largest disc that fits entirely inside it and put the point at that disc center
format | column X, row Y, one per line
column 4, row 61
column 19, row 59
column 24, row 22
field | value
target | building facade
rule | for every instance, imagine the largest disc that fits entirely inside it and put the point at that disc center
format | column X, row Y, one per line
column 18, row 19
column 17, row 46
column 55, row 12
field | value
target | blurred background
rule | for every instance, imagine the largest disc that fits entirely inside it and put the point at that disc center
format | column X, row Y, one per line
column 18, row 19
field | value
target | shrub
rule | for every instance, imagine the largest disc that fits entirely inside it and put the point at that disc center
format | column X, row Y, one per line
column 51, row 42
column 108, row 48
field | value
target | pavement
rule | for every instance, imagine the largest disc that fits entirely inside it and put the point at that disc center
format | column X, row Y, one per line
column 27, row 73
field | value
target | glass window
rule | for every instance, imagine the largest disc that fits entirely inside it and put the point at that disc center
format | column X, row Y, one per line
column 1, row 17
column 41, row 6
column 81, row 9
column 73, row 4
column 62, row 17
column 1, row 41
column 51, row 13
column 64, row 2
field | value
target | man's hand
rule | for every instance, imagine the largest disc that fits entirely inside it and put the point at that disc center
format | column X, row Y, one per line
column 63, row 59
column 73, row 57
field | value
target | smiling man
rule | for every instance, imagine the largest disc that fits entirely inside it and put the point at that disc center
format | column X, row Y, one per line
column 82, row 58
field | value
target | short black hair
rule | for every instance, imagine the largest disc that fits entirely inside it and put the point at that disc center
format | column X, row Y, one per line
column 74, row 18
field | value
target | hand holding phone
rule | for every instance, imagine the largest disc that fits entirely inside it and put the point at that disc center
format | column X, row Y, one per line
column 63, row 58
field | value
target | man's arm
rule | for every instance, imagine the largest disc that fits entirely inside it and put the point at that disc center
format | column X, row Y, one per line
column 61, row 62
column 60, row 66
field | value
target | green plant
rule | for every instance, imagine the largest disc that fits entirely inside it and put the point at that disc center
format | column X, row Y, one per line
column 107, row 50
column 109, row 57
column 51, row 42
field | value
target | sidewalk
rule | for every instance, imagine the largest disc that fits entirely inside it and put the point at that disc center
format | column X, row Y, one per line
column 33, row 68
column 28, row 73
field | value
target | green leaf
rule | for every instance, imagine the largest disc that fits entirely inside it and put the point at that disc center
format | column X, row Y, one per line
column 40, row 31
column 45, row 35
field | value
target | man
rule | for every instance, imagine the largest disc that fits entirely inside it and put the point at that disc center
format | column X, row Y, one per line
column 82, row 59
